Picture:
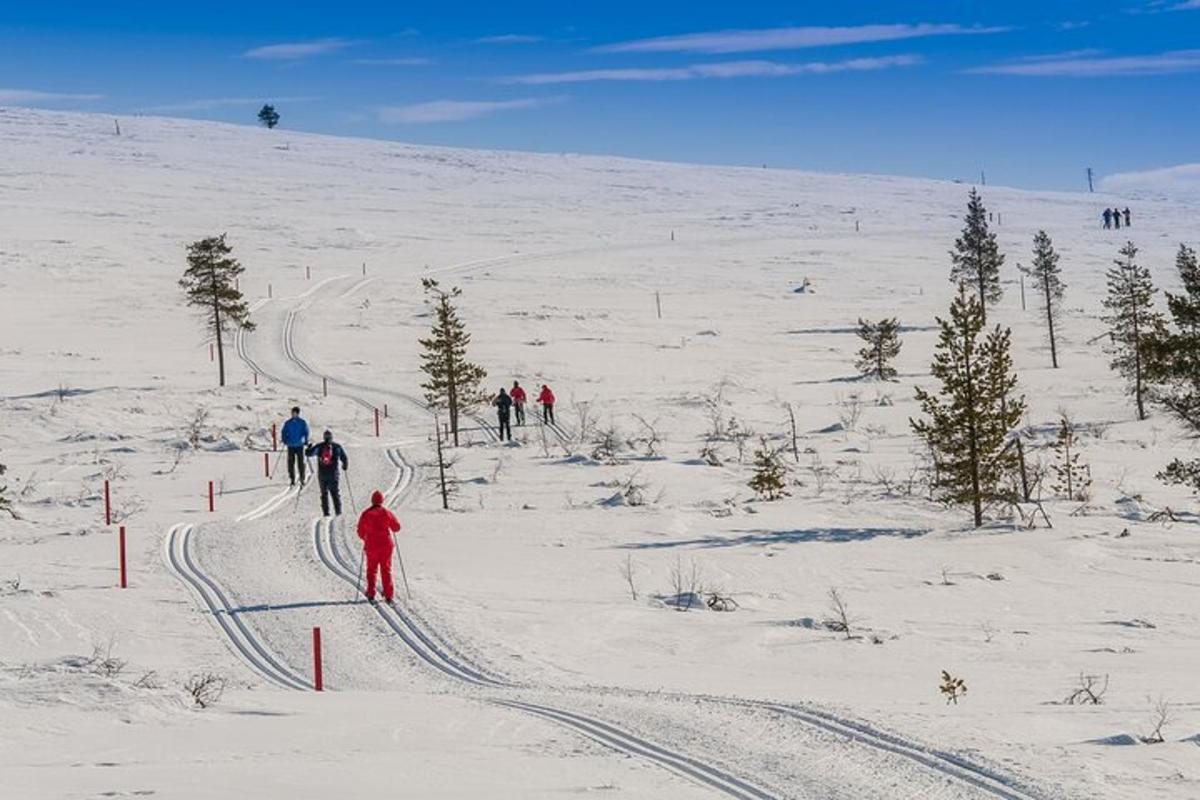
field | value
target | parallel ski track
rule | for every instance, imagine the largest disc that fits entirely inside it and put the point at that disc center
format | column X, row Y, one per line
column 440, row 657
column 178, row 556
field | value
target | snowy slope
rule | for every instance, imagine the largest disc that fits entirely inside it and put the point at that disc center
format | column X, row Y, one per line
column 522, row 666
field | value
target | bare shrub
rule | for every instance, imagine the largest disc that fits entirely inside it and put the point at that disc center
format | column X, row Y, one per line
column 102, row 662
column 839, row 619
column 128, row 507
column 205, row 689
column 149, row 680
column 607, row 444
column 952, row 687
column 648, row 437
column 850, row 408
column 1160, row 717
column 1089, row 692
column 636, row 491
column 820, row 473
column 194, row 426
column 711, row 452
column 628, row 569
column 717, row 601
column 740, row 435
column 585, row 421
column 685, row 583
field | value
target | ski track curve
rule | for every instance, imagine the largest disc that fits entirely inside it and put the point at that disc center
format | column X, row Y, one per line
column 440, row 656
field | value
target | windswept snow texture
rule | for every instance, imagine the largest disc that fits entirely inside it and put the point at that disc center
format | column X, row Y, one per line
column 523, row 665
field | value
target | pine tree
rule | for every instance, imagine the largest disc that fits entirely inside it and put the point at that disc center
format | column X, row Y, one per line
column 976, row 257
column 769, row 481
column 454, row 383
column 1135, row 329
column 267, row 115
column 970, row 418
column 210, row 284
column 882, row 345
column 1047, row 280
column 1071, row 478
column 1176, row 364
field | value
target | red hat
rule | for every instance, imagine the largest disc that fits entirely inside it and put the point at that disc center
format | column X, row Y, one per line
column 377, row 498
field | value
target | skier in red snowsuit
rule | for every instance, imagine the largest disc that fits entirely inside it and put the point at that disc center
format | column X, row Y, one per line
column 375, row 527
column 546, row 398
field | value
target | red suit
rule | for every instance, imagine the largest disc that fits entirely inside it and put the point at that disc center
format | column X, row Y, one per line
column 375, row 527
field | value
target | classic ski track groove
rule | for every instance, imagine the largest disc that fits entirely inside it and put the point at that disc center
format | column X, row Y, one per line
column 944, row 763
column 178, row 556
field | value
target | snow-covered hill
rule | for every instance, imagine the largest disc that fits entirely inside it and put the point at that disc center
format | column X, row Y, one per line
column 523, row 665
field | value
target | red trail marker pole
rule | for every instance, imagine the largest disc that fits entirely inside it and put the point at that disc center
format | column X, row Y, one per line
column 212, row 352
column 268, row 291
column 256, row 379
column 121, row 540
column 212, row 506
column 324, row 387
column 385, row 411
column 107, row 505
column 318, row 683
column 267, row 465
column 307, row 273
column 377, row 423
column 274, row 437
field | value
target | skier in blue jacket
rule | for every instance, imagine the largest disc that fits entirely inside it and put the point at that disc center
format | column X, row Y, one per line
column 295, row 438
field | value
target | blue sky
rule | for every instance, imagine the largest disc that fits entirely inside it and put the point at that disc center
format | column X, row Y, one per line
column 1030, row 92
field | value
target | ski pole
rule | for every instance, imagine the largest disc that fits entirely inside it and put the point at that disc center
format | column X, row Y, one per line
column 350, row 491
column 403, row 576
column 275, row 469
column 362, row 552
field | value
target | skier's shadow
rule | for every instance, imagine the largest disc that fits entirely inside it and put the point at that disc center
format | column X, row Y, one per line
column 291, row 606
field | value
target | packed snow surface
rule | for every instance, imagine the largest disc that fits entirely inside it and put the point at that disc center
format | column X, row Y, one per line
column 545, row 650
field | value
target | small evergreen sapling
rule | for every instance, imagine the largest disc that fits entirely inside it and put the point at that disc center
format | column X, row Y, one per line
column 210, row 284
column 1047, row 280
column 454, row 383
column 968, row 421
column 953, row 688
column 976, row 257
column 5, row 501
column 1135, row 329
column 1072, row 479
column 882, row 345
column 268, row 116
column 769, row 481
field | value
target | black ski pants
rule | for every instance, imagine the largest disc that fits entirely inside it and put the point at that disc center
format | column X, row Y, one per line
column 329, row 488
column 295, row 456
column 505, row 427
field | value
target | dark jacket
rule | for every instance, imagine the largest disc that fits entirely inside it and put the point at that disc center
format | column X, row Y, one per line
column 331, row 453
column 503, row 403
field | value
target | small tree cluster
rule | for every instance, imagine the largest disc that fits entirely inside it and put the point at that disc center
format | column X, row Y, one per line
column 1072, row 478
column 769, row 480
column 881, row 346
column 268, row 116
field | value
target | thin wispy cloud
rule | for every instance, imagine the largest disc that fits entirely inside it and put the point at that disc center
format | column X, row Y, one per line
column 1087, row 52
column 727, row 69
column 745, row 41
column 1168, row 180
column 1068, row 66
column 458, row 110
column 18, row 97
column 393, row 62
column 294, row 51
column 510, row 38
column 213, row 103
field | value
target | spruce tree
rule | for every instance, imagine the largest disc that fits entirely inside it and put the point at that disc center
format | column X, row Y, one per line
column 454, row 382
column 769, row 481
column 210, row 284
column 1136, row 331
column 882, row 340
column 1071, row 477
column 1047, row 280
column 1176, row 364
column 267, row 115
column 976, row 257
column 968, row 421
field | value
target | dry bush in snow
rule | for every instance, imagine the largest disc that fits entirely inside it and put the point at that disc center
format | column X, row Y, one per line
column 1089, row 692
column 850, row 408
column 102, row 661
column 839, row 618
column 685, row 583
column 628, row 569
column 648, row 438
column 1160, row 717
column 204, row 688
column 952, row 687
column 607, row 444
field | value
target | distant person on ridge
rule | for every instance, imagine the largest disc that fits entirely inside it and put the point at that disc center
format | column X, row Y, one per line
column 503, row 404
column 546, row 398
column 329, row 454
column 295, row 438
column 1128, row 223
column 375, row 527
column 1117, row 219
column 518, row 397
column 1108, row 215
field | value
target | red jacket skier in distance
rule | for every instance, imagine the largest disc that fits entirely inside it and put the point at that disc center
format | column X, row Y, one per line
column 546, row 398
column 376, row 526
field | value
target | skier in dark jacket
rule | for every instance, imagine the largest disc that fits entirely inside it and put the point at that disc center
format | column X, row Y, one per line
column 1116, row 218
column 329, row 454
column 503, row 404
column 1108, row 215
column 295, row 438
column 1128, row 222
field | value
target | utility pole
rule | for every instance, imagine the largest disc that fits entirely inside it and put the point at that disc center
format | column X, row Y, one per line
column 982, row 178
column 1089, row 174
